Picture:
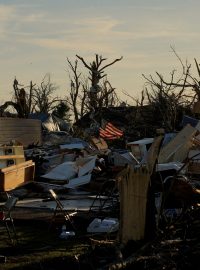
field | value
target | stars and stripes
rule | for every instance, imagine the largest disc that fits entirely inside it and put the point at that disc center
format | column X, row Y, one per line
column 110, row 132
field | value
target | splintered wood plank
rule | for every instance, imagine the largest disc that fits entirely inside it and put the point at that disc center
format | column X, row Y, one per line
column 153, row 153
column 177, row 148
column 133, row 199
column 11, row 157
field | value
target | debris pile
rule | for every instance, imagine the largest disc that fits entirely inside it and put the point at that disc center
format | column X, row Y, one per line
column 145, row 196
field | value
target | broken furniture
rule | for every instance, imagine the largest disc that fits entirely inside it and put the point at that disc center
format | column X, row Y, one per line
column 11, row 155
column 6, row 218
column 59, row 209
column 139, row 148
column 13, row 176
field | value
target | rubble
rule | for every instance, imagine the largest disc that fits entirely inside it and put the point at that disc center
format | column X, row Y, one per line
column 147, row 193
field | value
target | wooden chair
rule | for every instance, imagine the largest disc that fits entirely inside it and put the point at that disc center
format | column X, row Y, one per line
column 7, row 220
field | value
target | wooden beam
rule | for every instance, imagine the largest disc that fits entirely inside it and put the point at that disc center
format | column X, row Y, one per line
column 11, row 156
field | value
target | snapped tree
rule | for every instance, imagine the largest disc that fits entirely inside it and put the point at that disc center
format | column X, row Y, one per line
column 34, row 98
column 85, row 96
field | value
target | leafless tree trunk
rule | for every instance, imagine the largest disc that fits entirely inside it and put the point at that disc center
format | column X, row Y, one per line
column 22, row 100
column 75, row 89
column 96, row 71
column 83, row 98
column 33, row 98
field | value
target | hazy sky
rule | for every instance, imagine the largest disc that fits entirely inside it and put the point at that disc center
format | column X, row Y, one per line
column 36, row 37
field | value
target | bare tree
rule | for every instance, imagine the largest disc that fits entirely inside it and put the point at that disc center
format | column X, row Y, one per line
column 96, row 71
column 172, row 95
column 43, row 96
column 84, row 98
column 33, row 98
column 78, row 91
column 22, row 100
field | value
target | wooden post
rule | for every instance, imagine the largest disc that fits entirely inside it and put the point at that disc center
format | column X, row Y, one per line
column 133, row 198
column 136, row 196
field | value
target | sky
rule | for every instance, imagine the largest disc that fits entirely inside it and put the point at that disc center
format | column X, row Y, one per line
column 36, row 38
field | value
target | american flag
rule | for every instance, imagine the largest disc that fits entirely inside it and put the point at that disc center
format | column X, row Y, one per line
column 110, row 132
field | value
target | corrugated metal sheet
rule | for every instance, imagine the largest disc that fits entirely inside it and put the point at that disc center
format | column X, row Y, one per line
column 24, row 131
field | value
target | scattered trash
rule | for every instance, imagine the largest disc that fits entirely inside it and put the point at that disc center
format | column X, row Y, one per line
column 106, row 225
column 65, row 234
column 82, row 171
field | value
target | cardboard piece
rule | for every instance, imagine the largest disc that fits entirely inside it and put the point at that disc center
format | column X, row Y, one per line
column 99, row 143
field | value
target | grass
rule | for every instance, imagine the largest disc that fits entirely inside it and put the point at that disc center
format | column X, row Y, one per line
column 40, row 248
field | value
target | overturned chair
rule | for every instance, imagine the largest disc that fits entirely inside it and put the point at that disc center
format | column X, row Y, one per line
column 59, row 209
column 7, row 220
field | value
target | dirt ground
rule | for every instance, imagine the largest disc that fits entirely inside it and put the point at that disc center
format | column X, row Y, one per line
column 39, row 247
